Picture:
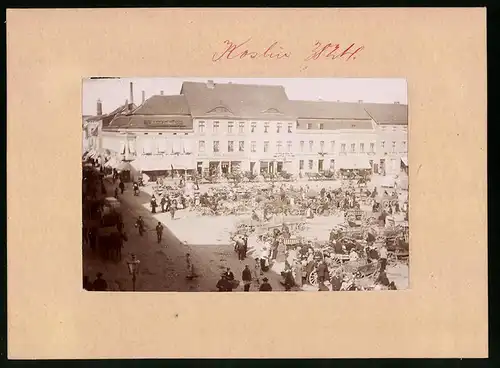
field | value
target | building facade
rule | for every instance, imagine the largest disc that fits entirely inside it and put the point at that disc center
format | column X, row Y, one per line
column 240, row 127
column 214, row 128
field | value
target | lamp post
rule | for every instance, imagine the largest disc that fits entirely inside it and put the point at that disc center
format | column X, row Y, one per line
column 133, row 268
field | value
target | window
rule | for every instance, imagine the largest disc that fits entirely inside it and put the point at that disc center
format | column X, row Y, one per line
column 353, row 147
column 311, row 145
column 362, row 147
column 266, row 127
column 342, row 148
column 289, row 146
column 278, row 128
column 393, row 146
column 230, row 126
column 301, row 165
column 332, row 146
column 253, row 126
column 266, row 146
column 320, row 165
column 253, row 146
column 403, row 146
column 201, row 146
column 321, row 126
column 122, row 148
column 216, row 127
column 309, row 126
column 311, row 164
column 278, row 146
column 201, row 127
column 242, row 128
column 230, row 146
column 241, row 146
column 394, row 128
column 290, row 126
column 322, row 145
column 384, row 128
column 405, row 128
column 382, row 144
column 332, row 164
column 301, row 146
column 216, row 146
column 372, row 147
column 161, row 146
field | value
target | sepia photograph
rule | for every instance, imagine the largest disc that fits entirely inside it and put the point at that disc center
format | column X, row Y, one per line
column 245, row 184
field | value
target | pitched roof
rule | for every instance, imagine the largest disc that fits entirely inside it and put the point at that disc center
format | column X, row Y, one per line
column 119, row 110
column 388, row 114
column 228, row 100
column 333, row 124
column 328, row 110
column 164, row 105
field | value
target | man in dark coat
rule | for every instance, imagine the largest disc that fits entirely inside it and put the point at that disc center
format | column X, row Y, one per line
column 100, row 284
column 229, row 274
column 159, row 231
column 122, row 186
column 163, row 202
column 265, row 286
column 224, row 284
column 246, row 276
column 336, row 282
column 153, row 205
column 322, row 271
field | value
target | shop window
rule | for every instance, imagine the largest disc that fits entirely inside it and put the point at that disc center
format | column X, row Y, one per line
column 301, row 165
column 320, row 165
column 321, row 126
column 332, row 164
column 311, row 164
column 309, row 126
column 253, row 146
column 201, row 146
column 216, row 146
column 266, row 146
column 362, row 147
column 241, row 146
column 372, row 147
column 353, row 147
column 342, row 148
column 230, row 146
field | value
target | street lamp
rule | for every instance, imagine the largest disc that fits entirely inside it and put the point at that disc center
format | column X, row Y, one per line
column 133, row 268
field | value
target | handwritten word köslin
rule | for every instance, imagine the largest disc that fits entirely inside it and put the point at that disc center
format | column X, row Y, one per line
column 319, row 51
column 241, row 51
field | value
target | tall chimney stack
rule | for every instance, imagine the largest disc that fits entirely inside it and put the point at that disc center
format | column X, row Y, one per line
column 161, row 93
column 143, row 96
column 131, row 92
column 99, row 107
column 127, row 109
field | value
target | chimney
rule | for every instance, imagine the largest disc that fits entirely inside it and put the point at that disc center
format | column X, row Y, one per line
column 131, row 92
column 210, row 84
column 143, row 96
column 99, row 107
column 161, row 93
column 127, row 107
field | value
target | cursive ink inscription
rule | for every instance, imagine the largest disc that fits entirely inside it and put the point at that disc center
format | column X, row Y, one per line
column 334, row 51
column 243, row 51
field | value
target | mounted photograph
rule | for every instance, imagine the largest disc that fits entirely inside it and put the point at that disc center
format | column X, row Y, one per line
column 245, row 184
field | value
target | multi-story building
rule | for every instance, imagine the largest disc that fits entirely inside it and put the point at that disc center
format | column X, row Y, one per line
column 392, row 136
column 156, row 137
column 240, row 127
column 333, row 136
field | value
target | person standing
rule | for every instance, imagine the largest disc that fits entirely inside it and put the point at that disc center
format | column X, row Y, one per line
column 173, row 207
column 224, row 284
column 163, row 202
column 153, row 204
column 190, row 267
column 122, row 186
column 116, row 193
column 265, row 286
column 246, row 276
column 322, row 270
column 383, row 258
column 159, row 231
column 100, row 284
column 257, row 271
column 229, row 275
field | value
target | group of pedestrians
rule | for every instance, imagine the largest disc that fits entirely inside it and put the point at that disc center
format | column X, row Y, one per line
column 227, row 281
column 139, row 224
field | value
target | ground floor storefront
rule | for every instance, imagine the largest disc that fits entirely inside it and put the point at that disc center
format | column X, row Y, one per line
column 255, row 166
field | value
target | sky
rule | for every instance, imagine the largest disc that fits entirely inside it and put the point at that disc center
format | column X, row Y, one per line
column 114, row 92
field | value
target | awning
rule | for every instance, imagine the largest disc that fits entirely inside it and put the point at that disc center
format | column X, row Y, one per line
column 160, row 163
column 352, row 162
column 404, row 159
